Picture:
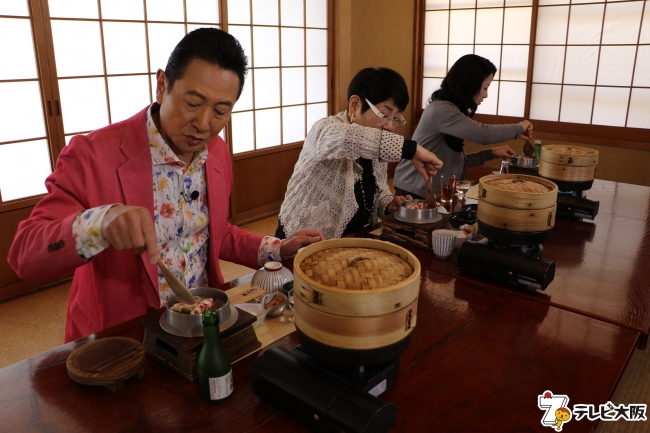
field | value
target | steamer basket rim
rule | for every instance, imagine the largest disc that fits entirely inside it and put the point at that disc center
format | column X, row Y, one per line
column 318, row 246
column 536, row 179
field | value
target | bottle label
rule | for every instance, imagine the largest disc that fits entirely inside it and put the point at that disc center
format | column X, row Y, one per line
column 221, row 387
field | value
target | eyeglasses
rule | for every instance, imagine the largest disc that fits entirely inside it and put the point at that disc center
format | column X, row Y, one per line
column 401, row 120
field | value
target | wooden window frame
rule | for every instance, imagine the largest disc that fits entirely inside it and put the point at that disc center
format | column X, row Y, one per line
column 614, row 136
column 48, row 82
column 331, row 88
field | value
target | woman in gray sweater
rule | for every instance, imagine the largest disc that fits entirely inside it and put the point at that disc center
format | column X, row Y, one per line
column 447, row 122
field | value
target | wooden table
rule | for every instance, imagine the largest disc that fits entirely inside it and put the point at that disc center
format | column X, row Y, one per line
column 477, row 361
column 602, row 265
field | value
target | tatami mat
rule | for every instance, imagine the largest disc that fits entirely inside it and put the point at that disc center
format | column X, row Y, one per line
column 32, row 324
column 633, row 388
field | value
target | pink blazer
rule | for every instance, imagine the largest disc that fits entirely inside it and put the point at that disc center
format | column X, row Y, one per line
column 113, row 165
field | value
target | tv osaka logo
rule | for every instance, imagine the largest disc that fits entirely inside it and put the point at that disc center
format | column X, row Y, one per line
column 557, row 412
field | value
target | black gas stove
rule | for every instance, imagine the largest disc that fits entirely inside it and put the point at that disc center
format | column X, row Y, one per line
column 576, row 205
column 513, row 258
column 572, row 201
column 326, row 397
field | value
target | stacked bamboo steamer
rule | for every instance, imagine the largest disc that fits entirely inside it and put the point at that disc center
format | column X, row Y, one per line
column 356, row 297
column 517, row 203
column 568, row 163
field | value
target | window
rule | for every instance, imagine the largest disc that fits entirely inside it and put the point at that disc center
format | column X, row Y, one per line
column 287, row 86
column 23, row 125
column 78, row 65
column 124, row 43
column 587, row 74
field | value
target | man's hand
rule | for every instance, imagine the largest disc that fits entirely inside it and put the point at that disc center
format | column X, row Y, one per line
column 299, row 239
column 394, row 205
column 131, row 227
column 427, row 163
column 503, row 152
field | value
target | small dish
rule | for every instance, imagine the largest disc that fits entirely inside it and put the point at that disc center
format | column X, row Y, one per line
column 462, row 236
column 255, row 309
column 469, row 208
column 275, row 310
column 460, row 218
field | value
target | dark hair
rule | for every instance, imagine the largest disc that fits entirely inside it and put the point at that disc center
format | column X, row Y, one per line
column 463, row 82
column 379, row 85
column 212, row 45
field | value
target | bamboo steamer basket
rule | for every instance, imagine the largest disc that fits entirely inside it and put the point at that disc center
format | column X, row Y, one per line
column 568, row 163
column 350, row 302
column 355, row 332
column 516, row 202
column 355, row 318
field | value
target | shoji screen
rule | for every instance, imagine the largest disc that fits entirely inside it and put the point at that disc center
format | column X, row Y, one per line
column 286, row 89
column 592, row 63
column 107, row 53
column 495, row 29
column 25, row 158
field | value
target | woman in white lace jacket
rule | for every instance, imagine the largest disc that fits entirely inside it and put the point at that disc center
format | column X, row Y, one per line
column 339, row 182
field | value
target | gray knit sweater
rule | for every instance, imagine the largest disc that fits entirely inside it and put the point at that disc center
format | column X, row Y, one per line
column 438, row 119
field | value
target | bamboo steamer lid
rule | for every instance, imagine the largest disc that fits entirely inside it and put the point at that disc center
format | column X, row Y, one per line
column 517, row 191
column 356, row 277
column 563, row 154
column 518, row 220
column 359, row 333
column 567, row 173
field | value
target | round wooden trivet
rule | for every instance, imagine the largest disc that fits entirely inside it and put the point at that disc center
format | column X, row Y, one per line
column 106, row 362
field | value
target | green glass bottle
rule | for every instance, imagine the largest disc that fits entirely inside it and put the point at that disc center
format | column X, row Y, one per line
column 215, row 371
column 538, row 149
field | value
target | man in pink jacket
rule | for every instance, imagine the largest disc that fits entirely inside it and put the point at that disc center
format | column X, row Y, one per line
column 157, row 185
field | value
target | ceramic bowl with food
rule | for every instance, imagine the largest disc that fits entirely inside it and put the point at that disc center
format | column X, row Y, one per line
column 193, row 323
column 417, row 211
column 276, row 306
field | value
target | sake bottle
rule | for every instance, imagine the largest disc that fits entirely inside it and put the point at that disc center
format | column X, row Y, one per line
column 215, row 371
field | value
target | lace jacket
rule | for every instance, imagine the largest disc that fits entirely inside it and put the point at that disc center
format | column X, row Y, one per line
column 320, row 193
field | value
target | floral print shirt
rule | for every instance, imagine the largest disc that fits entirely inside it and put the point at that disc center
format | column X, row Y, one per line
column 181, row 221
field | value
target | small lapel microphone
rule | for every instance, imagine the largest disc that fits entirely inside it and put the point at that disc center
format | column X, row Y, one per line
column 190, row 197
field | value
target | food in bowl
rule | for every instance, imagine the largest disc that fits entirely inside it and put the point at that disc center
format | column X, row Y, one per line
column 198, row 307
column 276, row 301
column 418, row 205
column 356, row 268
column 467, row 229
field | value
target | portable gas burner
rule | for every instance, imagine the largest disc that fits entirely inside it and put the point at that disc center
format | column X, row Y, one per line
column 326, row 397
column 514, row 258
column 572, row 201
